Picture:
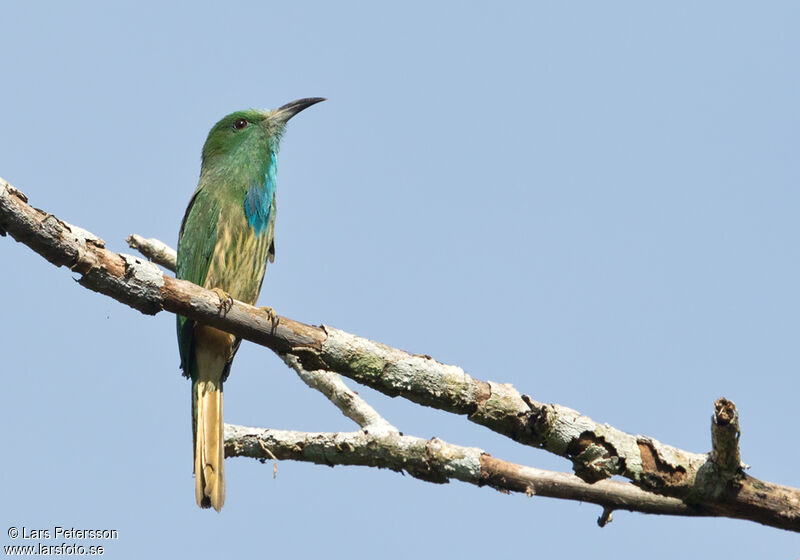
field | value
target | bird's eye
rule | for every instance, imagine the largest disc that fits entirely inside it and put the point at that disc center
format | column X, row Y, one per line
column 239, row 124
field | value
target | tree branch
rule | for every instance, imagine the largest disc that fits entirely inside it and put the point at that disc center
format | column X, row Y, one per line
column 437, row 461
column 155, row 250
column 597, row 451
column 725, row 437
column 348, row 401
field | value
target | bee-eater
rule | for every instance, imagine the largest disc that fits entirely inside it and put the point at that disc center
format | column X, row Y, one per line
column 225, row 241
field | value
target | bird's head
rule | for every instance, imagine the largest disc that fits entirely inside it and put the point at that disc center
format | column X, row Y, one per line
column 251, row 135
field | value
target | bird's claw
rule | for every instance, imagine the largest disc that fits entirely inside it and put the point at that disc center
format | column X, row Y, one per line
column 272, row 316
column 225, row 300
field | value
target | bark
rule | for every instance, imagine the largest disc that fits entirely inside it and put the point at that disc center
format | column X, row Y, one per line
column 434, row 460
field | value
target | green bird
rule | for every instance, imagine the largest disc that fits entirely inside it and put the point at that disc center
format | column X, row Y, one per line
column 226, row 239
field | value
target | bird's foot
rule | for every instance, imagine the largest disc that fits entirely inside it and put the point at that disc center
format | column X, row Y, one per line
column 225, row 300
column 272, row 316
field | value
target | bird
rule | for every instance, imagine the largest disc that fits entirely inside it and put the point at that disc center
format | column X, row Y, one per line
column 226, row 238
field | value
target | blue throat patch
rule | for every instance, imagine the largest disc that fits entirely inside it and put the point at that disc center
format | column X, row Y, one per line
column 258, row 200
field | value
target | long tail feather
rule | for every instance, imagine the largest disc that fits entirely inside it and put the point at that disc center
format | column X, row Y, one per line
column 213, row 351
column 209, row 450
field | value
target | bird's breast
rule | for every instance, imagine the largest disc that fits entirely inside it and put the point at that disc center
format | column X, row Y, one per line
column 239, row 258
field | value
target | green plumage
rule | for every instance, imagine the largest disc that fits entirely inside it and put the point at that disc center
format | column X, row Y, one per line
column 226, row 239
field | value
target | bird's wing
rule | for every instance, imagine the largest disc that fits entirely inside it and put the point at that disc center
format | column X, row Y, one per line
column 195, row 248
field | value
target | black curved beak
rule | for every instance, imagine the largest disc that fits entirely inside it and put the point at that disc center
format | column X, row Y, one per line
column 286, row 112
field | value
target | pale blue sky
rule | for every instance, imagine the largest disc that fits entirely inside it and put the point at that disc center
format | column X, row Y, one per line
column 596, row 202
